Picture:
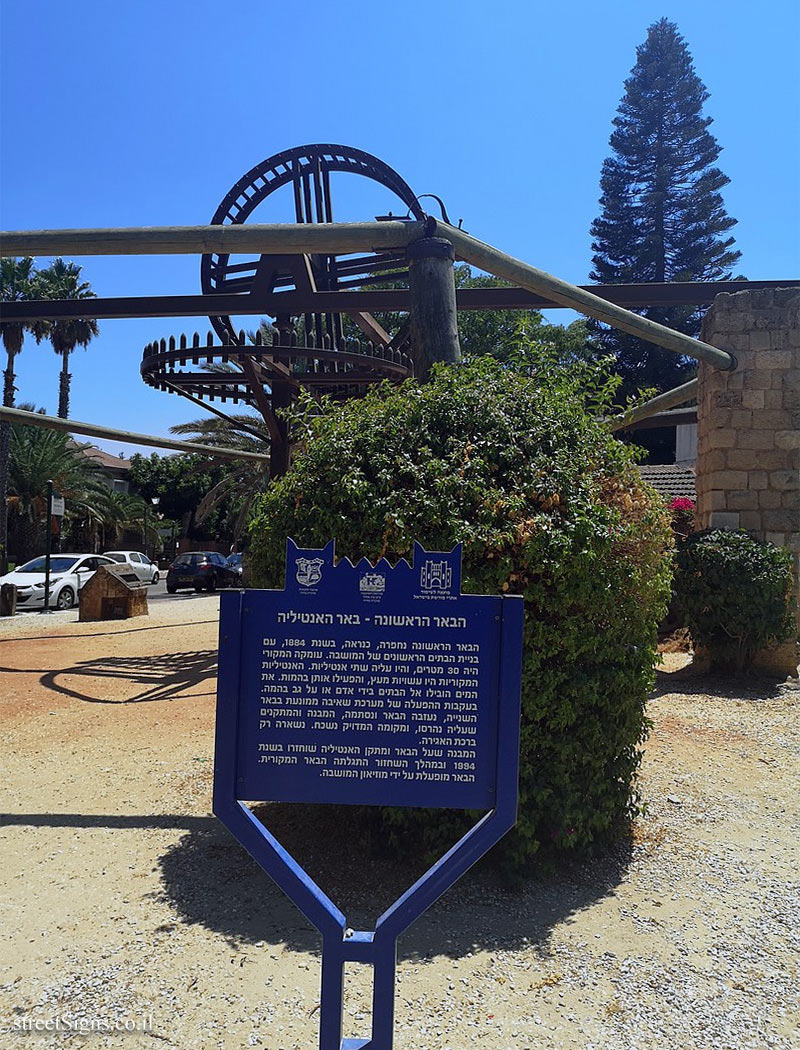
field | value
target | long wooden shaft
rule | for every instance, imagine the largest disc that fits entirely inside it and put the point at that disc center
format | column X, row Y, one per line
column 501, row 265
column 74, row 426
column 670, row 399
column 282, row 238
column 363, row 301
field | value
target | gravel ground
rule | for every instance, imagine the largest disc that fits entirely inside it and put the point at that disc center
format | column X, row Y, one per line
column 122, row 897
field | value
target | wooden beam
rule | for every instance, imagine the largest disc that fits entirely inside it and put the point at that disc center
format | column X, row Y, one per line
column 526, row 276
column 698, row 293
column 370, row 327
column 261, row 399
column 671, row 399
column 75, row 426
column 278, row 238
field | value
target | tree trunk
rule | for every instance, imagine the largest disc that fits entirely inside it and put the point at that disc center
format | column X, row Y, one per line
column 63, row 386
column 5, row 449
column 30, row 535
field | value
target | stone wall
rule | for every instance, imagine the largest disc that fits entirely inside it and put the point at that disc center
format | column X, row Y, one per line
column 748, row 420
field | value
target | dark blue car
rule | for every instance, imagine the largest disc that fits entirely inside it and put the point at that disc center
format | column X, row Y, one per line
column 202, row 570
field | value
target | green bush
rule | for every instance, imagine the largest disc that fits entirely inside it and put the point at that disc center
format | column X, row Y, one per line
column 735, row 595
column 516, row 465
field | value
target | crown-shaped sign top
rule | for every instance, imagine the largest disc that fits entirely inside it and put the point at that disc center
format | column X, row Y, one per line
column 433, row 574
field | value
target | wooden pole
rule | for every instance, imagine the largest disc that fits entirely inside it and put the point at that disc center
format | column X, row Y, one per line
column 431, row 285
column 269, row 238
column 671, row 399
column 75, row 426
column 501, row 265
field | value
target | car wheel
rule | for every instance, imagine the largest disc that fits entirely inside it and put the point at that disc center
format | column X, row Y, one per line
column 198, row 587
column 155, row 578
column 66, row 598
column 171, row 588
column 212, row 584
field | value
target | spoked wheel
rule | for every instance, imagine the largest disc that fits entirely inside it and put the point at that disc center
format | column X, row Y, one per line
column 308, row 170
column 306, row 348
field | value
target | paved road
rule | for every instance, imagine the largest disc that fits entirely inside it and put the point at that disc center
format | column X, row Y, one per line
column 158, row 592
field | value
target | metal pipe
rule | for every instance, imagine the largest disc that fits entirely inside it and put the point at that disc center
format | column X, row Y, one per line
column 501, row 265
column 74, row 426
column 671, row 399
column 282, row 238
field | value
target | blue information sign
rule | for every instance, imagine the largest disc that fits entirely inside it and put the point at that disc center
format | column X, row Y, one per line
column 369, row 685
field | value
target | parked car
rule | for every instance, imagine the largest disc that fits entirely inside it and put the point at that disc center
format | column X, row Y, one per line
column 203, row 570
column 235, row 562
column 68, row 574
column 145, row 569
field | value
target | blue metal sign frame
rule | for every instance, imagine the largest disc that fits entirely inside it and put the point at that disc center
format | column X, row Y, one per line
column 500, row 697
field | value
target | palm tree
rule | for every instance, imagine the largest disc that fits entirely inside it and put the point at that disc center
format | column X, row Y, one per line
column 244, row 480
column 36, row 457
column 121, row 512
column 16, row 284
column 61, row 280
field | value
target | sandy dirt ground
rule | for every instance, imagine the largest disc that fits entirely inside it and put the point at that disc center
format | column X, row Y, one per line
column 123, row 898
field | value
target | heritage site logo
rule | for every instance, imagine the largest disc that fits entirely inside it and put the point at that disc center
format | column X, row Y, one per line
column 372, row 585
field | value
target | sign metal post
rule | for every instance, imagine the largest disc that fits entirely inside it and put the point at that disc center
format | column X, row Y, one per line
column 48, row 547
column 368, row 685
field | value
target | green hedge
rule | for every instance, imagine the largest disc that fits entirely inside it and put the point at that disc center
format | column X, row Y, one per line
column 735, row 595
column 517, row 466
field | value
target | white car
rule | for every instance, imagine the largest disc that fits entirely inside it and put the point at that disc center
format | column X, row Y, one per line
column 68, row 574
column 140, row 563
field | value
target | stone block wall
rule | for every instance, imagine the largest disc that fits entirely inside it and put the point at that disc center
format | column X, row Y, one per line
column 748, row 420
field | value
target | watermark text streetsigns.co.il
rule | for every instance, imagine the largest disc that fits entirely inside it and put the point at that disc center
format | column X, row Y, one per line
column 23, row 1025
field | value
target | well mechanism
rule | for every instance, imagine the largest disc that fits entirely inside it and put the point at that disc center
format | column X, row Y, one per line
column 310, row 350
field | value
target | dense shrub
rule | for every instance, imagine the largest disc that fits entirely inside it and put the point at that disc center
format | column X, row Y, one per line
column 735, row 595
column 516, row 465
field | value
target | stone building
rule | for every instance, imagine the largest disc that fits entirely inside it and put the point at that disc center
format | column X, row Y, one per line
column 748, row 420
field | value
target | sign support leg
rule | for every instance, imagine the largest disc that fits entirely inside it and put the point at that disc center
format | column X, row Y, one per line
column 383, row 984
column 331, row 999
column 371, row 949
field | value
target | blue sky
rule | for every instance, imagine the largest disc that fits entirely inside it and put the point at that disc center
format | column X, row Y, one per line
column 147, row 113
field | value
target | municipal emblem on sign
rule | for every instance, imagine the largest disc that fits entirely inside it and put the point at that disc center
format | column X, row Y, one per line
column 309, row 571
column 372, row 585
column 436, row 576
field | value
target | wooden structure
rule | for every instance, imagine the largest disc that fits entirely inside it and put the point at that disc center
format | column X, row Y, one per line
column 114, row 592
column 309, row 348
column 317, row 278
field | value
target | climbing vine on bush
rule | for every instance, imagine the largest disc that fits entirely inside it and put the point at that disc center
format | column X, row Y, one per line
column 515, row 464
column 735, row 594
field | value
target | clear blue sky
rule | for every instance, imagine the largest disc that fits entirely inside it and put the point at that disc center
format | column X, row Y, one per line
column 145, row 114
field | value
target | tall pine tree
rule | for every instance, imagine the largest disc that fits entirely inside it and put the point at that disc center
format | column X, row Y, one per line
column 663, row 218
